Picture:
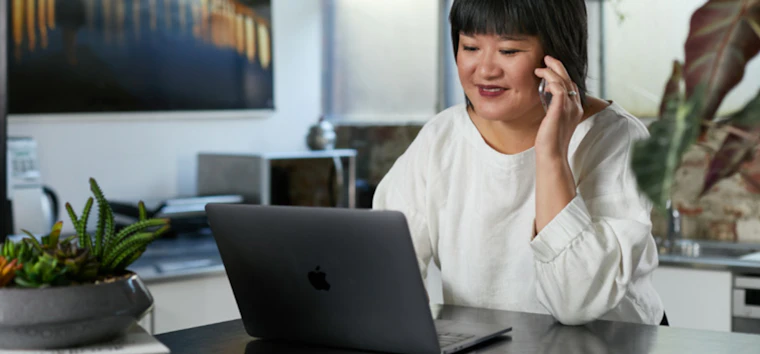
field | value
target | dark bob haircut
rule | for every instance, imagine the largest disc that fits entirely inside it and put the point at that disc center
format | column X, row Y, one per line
column 560, row 26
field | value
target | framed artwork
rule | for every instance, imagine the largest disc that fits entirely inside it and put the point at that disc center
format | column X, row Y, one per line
column 76, row 56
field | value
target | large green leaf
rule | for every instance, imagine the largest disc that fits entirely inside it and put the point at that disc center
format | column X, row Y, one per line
column 735, row 150
column 673, row 93
column 724, row 36
column 656, row 159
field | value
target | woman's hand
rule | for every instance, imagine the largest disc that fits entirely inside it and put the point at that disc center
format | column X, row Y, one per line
column 563, row 115
column 555, row 184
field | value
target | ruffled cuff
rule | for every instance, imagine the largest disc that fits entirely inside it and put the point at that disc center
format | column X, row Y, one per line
column 561, row 231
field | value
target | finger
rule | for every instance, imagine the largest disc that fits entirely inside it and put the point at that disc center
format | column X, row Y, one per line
column 557, row 67
column 559, row 97
column 574, row 88
column 577, row 97
column 556, row 89
column 550, row 76
column 574, row 101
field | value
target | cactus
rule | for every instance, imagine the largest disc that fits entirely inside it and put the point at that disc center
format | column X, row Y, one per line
column 113, row 250
column 80, row 225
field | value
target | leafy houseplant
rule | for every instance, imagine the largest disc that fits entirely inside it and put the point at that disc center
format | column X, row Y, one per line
column 724, row 36
column 88, row 294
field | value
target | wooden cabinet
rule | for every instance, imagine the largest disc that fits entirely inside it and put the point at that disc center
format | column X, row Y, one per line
column 695, row 298
column 190, row 302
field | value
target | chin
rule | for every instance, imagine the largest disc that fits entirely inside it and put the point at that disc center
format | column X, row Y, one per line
column 491, row 116
column 489, row 112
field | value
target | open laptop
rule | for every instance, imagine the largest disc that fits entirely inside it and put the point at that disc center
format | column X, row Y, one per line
column 336, row 277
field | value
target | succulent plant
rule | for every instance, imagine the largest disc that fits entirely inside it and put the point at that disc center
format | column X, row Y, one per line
column 115, row 250
column 49, row 241
column 21, row 251
column 52, row 261
column 81, row 266
column 42, row 272
column 79, row 263
column 8, row 268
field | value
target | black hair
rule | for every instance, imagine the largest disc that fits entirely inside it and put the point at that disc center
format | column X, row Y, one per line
column 561, row 27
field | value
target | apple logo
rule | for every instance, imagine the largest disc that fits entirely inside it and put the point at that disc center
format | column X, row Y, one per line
column 317, row 279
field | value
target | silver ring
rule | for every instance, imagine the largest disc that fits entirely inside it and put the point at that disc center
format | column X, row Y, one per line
column 572, row 93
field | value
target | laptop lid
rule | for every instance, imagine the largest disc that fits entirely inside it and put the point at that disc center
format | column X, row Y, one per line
column 338, row 277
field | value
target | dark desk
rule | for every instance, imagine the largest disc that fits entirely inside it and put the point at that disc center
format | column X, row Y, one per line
column 531, row 334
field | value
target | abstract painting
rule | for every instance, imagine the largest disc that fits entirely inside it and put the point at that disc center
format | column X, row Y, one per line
column 75, row 56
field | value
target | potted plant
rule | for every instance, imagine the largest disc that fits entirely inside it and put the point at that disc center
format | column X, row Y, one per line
column 66, row 292
column 724, row 35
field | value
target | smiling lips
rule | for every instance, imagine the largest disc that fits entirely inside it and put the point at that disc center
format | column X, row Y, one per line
column 490, row 91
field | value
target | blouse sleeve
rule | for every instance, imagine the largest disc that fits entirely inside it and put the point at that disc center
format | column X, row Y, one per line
column 404, row 189
column 589, row 254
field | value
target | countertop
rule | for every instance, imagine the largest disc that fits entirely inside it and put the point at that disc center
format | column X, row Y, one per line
column 712, row 255
column 711, row 263
column 196, row 254
column 531, row 333
column 187, row 255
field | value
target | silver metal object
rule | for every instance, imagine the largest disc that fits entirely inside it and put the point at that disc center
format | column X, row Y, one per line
column 546, row 96
column 321, row 136
column 674, row 226
column 572, row 93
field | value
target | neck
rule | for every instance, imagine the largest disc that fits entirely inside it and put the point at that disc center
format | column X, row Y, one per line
column 510, row 136
column 517, row 134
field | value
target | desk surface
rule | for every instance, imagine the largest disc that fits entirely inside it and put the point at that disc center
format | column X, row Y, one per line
column 532, row 333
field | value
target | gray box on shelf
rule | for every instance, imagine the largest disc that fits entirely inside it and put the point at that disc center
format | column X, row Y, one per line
column 249, row 174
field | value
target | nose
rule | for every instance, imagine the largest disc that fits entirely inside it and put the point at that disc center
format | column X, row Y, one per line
column 488, row 68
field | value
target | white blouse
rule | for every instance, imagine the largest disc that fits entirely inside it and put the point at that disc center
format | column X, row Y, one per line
column 472, row 209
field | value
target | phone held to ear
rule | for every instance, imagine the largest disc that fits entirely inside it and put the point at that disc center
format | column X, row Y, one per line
column 546, row 96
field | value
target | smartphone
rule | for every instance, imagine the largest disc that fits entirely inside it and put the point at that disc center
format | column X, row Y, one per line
column 546, row 96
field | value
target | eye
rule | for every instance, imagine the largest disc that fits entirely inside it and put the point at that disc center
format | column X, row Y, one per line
column 469, row 49
column 509, row 52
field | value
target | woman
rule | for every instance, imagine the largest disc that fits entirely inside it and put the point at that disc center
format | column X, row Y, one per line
column 525, row 209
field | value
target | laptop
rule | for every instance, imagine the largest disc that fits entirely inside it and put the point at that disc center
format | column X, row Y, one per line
column 335, row 277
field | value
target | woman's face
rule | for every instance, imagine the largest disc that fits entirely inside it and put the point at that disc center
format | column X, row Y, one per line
column 497, row 75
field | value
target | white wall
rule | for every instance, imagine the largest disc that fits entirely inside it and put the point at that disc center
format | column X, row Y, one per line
column 153, row 156
column 640, row 52
column 384, row 60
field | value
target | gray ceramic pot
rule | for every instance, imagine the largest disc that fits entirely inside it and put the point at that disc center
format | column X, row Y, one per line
column 70, row 316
